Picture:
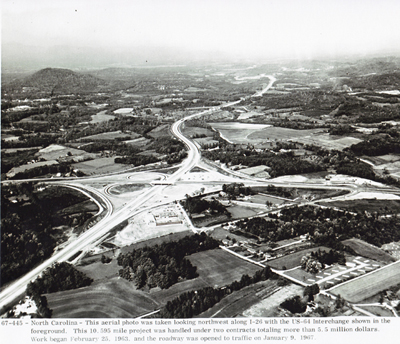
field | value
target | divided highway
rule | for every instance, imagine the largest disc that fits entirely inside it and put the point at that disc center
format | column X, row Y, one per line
column 16, row 290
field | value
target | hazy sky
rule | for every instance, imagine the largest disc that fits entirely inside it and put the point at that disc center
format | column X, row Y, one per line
column 291, row 28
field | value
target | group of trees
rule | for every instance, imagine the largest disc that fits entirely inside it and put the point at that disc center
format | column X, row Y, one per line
column 136, row 160
column 316, row 261
column 236, row 189
column 137, row 125
column 377, row 146
column 58, row 277
column 294, row 304
column 193, row 303
column 8, row 161
column 35, row 140
column 163, row 265
column 43, row 170
column 196, row 205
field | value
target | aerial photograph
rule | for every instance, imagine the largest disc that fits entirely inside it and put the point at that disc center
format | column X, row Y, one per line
column 200, row 159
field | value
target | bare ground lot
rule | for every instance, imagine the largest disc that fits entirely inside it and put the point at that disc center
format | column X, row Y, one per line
column 238, row 132
column 370, row 284
column 369, row 251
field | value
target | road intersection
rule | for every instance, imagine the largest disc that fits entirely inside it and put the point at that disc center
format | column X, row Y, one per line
column 114, row 216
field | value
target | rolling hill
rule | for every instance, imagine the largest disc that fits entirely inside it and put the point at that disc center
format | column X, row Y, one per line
column 57, row 81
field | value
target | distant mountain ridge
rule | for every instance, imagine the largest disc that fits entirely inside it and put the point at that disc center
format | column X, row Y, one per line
column 59, row 80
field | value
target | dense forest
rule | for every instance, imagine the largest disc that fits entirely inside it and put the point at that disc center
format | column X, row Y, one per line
column 164, row 265
column 324, row 226
column 28, row 236
column 280, row 164
column 58, row 277
column 193, row 303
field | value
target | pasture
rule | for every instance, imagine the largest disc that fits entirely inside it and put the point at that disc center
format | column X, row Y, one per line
column 368, row 251
column 368, row 285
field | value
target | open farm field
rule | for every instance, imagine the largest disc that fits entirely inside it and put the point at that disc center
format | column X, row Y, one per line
column 382, row 159
column 370, row 284
column 368, row 251
column 327, row 141
column 99, row 271
column 220, row 234
column 54, row 152
column 139, row 142
column 113, row 135
column 99, row 166
column 281, row 134
column 101, row 117
column 382, row 206
column 218, row 267
column 234, row 304
column 392, row 167
column 123, row 111
column 116, row 298
column 206, row 141
column 239, row 212
column 262, row 199
column 156, row 241
column 161, row 131
column 377, row 310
